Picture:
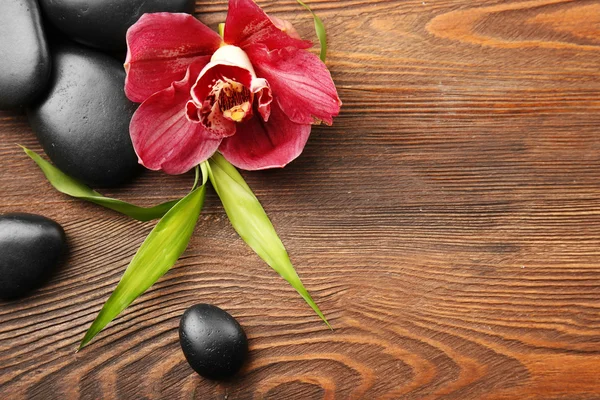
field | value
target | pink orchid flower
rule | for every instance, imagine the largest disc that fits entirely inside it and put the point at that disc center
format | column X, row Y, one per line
column 251, row 95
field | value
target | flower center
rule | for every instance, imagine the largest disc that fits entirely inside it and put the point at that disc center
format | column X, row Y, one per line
column 235, row 99
column 224, row 93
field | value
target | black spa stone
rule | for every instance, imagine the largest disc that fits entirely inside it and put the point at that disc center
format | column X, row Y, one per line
column 24, row 58
column 104, row 23
column 83, row 121
column 31, row 248
column 212, row 341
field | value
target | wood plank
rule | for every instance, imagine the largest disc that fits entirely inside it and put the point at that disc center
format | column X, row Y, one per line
column 448, row 224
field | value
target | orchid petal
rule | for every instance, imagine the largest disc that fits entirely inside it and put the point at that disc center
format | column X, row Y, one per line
column 301, row 83
column 247, row 24
column 162, row 135
column 160, row 48
column 232, row 55
column 285, row 26
column 262, row 90
column 262, row 145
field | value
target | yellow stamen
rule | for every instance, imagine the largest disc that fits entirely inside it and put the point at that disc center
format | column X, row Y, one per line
column 235, row 101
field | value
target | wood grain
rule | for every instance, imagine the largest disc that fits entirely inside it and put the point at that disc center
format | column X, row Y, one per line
column 448, row 224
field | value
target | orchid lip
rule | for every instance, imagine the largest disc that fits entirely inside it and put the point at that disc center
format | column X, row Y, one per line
column 223, row 94
column 233, row 55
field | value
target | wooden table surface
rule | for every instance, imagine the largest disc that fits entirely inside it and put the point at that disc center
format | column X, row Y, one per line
column 448, row 225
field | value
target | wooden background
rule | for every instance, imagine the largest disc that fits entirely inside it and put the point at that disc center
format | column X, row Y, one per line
column 448, row 225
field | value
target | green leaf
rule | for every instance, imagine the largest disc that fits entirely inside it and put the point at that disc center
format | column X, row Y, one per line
column 159, row 252
column 74, row 188
column 320, row 29
column 253, row 225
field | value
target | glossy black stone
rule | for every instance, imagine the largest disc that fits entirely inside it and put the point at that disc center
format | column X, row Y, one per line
column 24, row 58
column 31, row 248
column 212, row 341
column 83, row 121
column 104, row 23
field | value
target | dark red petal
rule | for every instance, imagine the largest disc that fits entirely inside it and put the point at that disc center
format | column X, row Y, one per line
column 160, row 47
column 301, row 83
column 264, row 97
column 262, row 145
column 247, row 24
column 192, row 111
column 162, row 135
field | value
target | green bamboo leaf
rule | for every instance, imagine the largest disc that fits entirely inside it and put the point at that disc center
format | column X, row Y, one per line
column 74, row 188
column 159, row 252
column 253, row 225
column 319, row 29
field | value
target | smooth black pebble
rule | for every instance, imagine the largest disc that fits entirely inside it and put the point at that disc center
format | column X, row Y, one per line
column 31, row 248
column 104, row 23
column 24, row 58
column 213, row 342
column 83, row 122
